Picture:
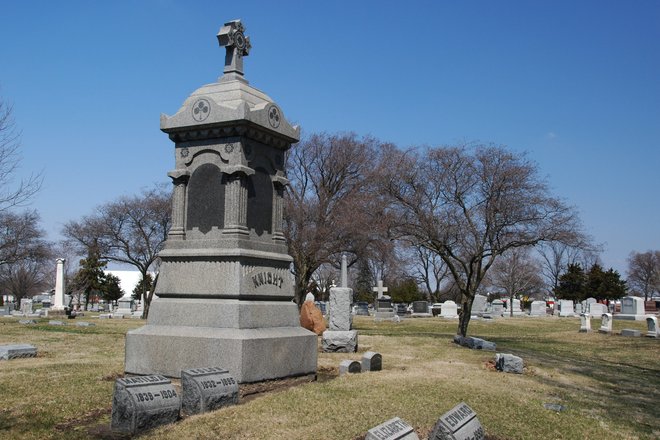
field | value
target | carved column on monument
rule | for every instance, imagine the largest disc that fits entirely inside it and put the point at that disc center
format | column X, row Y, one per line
column 236, row 195
column 279, row 183
column 180, row 181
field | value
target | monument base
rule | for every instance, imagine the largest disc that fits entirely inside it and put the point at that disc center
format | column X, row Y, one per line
column 239, row 336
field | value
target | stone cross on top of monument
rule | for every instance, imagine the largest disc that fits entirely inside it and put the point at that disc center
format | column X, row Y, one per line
column 232, row 37
column 379, row 289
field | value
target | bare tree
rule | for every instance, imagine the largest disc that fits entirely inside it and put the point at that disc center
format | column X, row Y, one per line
column 26, row 257
column 644, row 272
column 431, row 271
column 469, row 205
column 13, row 193
column 556, row 256
column 331, row 205
column 517, row 273
column 131, row 230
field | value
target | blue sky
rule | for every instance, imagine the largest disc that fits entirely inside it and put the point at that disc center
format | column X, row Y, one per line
column 574, row 84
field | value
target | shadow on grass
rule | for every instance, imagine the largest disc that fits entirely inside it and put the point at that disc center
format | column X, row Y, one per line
column 616, row 387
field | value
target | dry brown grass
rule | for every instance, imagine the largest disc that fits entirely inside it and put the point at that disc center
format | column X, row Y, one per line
column 609, row 384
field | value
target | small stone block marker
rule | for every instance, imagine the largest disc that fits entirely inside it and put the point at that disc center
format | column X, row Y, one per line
column 393, row 429
column 27, row 321
column 474, row 343
column 207, row 389
column 459, row 423
column 630, row 332
column 349, row 366
column 509, row 363
column 85, row 324
column 17, row 351
column 143, row 402
column 56, row 323
column 372, row 361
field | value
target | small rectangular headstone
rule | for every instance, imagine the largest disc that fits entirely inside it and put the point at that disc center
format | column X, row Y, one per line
column 349, row 366
column 630, row 332
column 372, row 361
column 459, row 423
column 207, row 389
column 393, row 429
column 17, row 351
column 143, row 402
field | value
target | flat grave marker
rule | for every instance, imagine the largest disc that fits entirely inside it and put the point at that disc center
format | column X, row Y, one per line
column 17, row 351
column 393, row 429
column 207, row 389
column 459, row 423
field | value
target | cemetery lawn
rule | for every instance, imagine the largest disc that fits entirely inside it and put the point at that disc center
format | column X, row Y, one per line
column 609, row 385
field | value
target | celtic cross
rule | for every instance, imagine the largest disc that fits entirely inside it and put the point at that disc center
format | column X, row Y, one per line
column 232, row 37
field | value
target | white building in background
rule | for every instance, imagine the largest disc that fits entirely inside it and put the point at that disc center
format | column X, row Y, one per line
column 128, row 279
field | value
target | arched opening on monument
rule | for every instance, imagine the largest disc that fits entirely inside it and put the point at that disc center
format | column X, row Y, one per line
column 206, row 198
column 260, row 202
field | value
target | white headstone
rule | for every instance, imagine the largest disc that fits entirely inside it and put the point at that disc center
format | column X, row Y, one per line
column 632, row 305
column 606, row 323
column 497, row 307
column 449, row 309
column 566, row 307
column 585, row 322
column 60, row 286
column 597, row 309
column 479, row 304
column 537, row 308
column 26, row 306
column 652, row 327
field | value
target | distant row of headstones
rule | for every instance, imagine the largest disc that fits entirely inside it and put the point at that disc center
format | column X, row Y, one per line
column 606, row 325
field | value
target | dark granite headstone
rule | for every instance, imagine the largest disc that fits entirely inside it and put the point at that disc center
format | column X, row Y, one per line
column 372, row 361
column 393, row 429
column 349, row 366
column 143, row 402
column 460, row 423
column 420, row 307
column 384, row 304
column 207, row 389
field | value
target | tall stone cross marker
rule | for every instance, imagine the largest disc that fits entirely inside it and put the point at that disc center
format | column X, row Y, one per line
column 379, row 289
column 232, row 37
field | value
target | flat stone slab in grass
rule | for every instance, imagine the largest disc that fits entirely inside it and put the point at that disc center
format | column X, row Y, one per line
column 27, row 321
column 349, row 366
column 393, row 429
column 372, row 361
column 509, row 363
column 17, row 351
column 85, row 324
column 474, row 343
column 630, row 332
column 56, row 323
column 459, row 423
column 207, row 389
column 143, row 402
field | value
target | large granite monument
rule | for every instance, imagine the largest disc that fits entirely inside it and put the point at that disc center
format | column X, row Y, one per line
column 224, row 292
